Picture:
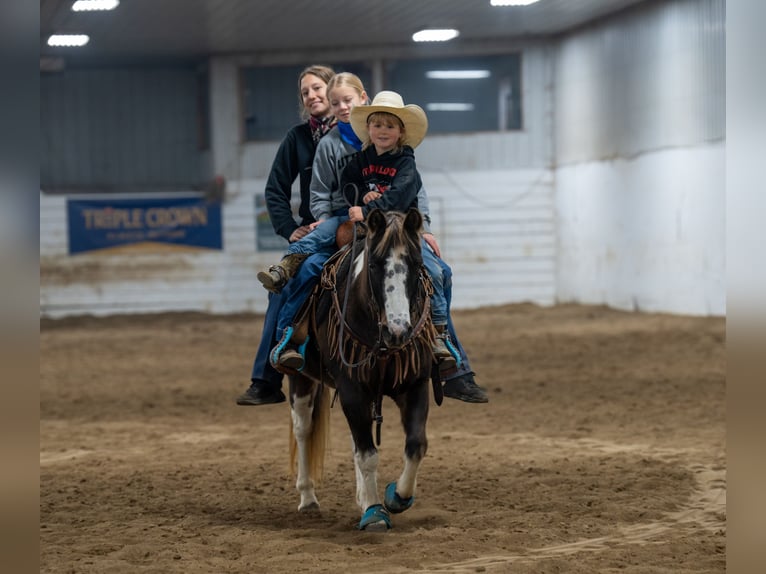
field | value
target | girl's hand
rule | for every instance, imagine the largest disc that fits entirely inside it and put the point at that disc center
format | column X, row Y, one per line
column 371, row 196
column 313, row 226
column 355, row 213
column 431, row 240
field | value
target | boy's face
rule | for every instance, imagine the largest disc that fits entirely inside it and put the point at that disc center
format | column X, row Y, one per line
column 385, row 131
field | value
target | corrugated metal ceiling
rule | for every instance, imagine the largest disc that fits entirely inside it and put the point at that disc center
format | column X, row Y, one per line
column 170, row 29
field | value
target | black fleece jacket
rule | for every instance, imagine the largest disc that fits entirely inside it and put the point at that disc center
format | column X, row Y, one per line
column 392, row 174
column 294, row 158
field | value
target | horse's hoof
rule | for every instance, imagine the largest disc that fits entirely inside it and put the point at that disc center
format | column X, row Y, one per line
column 395, row 503
column 375, row 519
column 311, row 507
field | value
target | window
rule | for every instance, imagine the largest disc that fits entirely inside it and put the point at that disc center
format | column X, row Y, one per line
column 270, row 103
column 481, row 93
column 466, row 94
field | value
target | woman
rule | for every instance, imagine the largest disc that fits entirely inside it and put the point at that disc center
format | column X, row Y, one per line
column 294, row 159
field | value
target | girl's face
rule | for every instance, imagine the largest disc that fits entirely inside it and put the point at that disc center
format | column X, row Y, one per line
column 314, row 96
column 342, row 101
column 384, row 133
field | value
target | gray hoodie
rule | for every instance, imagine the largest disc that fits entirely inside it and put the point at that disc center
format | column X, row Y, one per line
column 331, row 157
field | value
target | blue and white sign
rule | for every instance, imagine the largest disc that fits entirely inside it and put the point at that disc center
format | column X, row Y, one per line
column 143, row 223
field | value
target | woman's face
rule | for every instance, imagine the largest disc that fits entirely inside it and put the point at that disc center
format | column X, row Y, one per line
column 314, row 96
column 342, row 101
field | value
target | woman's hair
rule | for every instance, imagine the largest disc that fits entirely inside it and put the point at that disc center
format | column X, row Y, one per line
column 342, row 79
column 386, row 118
column 324, row 73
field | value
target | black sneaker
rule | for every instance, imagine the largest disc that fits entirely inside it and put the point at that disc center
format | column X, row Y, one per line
column 464, row 388
column 261, row 394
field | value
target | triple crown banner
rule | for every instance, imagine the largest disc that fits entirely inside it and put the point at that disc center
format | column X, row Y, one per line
column 143, row 224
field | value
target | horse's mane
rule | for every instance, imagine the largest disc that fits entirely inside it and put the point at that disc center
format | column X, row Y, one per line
column 394, row 235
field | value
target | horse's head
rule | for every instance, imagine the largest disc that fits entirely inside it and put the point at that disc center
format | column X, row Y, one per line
column 394, row 261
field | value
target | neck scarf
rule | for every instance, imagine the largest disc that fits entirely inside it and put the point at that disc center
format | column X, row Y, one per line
column 320, row 126
column 348, row 136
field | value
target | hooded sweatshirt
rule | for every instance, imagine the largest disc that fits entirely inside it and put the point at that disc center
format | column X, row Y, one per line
column 332, row 155
column 393, row 174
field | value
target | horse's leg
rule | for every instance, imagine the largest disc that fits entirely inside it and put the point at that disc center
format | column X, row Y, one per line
column 413, row 406
column 356, row 401
column 302, row 395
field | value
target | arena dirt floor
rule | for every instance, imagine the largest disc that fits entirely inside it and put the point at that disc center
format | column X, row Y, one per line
column 602, row 449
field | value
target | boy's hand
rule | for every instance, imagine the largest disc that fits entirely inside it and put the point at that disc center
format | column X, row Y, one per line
column 355, row 213
column 371, row 196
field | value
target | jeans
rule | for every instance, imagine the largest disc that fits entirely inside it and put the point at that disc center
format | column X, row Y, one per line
column 439, row 310
column 303, row 281
column 441, row 276
column 320, row 239
column 301, row 286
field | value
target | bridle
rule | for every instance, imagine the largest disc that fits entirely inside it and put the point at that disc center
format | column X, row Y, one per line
column 379, row 350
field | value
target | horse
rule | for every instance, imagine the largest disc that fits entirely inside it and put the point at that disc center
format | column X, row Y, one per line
column 368, row 335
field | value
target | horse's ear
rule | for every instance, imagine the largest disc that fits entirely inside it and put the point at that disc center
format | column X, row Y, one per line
column 414, row 221
column 376, row 221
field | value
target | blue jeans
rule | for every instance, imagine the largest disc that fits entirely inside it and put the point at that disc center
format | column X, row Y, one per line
column 320, row 239
column 441, row 276
column 301, row 286
column 303, row 280
column 439, row 310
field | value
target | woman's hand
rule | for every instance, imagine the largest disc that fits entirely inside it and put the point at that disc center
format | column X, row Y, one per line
column 355, row 213
column 431, row 240
column 300, row 233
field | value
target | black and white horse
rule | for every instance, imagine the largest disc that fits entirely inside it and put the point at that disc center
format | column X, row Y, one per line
column 370, row 335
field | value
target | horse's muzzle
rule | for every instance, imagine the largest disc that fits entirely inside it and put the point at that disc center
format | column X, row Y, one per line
column 393, row 338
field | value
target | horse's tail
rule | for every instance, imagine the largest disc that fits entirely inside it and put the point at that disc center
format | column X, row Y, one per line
column 320, row 435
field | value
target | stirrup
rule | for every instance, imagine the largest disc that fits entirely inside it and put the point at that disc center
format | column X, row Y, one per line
column 275, row 357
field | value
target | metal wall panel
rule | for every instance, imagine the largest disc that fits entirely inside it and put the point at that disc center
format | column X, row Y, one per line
column 649, row 79
column 129, row 128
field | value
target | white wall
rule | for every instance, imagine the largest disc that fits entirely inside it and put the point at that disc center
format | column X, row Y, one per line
column 640, row 180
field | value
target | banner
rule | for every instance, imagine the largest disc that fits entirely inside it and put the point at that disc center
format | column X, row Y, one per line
column 143, row 224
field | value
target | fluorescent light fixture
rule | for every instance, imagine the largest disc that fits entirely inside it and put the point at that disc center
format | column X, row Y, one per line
column 435, row 35
column 68, row 40
column 457, row 74
column 94, row 5
column 512, row 2
column 449, row 107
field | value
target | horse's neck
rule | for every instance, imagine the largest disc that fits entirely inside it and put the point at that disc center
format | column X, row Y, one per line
column 359, row 302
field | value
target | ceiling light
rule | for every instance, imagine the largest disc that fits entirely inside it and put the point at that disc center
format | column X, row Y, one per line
column 68, row 40
column 512, row 2
column 93, row 5
column 435, row 35
column 457, row 74
column 449, row 107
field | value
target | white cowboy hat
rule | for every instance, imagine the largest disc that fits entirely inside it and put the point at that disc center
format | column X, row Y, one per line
column 413, row 117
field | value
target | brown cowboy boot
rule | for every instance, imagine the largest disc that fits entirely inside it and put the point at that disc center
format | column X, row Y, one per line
column 278, row 275
column 444, row 358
